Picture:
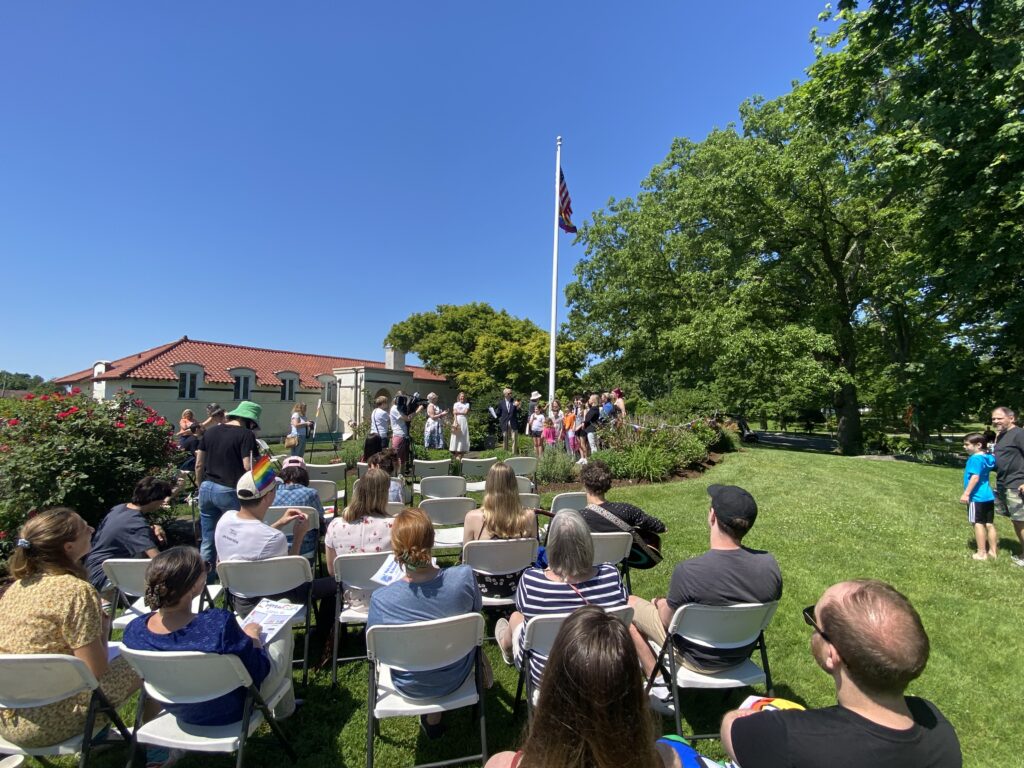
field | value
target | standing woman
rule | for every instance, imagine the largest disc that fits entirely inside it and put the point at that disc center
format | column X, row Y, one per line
column 619, row 403
column 52, row 608
column 557, row 415
column 590, row 422
column 432, row 433
column 299, row 429
column 377, row 438
column 460, row 427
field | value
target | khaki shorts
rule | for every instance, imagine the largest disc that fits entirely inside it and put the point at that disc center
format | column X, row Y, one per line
column 1010, row 503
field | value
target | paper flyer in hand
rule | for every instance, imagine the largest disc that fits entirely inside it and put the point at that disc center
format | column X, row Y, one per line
column 768, row 704
column 272, row 616
column 392, row 570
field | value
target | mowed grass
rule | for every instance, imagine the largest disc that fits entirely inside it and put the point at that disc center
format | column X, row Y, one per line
column 826, row 518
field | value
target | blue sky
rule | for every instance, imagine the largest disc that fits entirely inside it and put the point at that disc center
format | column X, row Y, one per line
column 302, row 175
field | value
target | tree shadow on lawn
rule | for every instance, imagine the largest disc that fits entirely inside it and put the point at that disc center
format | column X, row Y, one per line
column 793, row 443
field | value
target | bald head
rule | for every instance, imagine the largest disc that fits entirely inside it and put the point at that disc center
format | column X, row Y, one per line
column 876, row 631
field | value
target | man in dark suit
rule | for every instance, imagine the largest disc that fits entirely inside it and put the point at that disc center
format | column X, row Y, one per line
column 508, row 420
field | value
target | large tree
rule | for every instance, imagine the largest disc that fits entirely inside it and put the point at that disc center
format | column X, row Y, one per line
column 483, row 349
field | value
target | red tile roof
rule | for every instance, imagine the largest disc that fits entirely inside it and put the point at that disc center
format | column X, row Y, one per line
column 217, row 359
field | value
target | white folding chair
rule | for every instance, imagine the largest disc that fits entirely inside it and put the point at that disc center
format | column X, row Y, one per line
column 722, row 627
column 611, row 547
column 499, row 557
column 276, row 513
column 338, row 473
column 524, row 484
column 529, row 500
column 267, row 578
column 442, row 487
column 575, row 500
column 422, row 469
column 361, row 467
column 539, row 635
column 37, row 679
column 328, row 492
column 353, row 570
column 128, row 577
column 394, row 507
column 476, row 468
column 421, row 647
column 189, row 677
column 449, row 519
column 265, row 451
column 523, row 465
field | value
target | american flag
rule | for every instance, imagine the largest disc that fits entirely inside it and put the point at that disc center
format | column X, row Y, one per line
column 564, row 205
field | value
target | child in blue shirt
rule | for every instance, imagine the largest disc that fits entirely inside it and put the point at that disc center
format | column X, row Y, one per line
column 978, row 495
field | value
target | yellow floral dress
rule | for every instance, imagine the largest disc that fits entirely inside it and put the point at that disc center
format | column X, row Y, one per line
column 49, row 613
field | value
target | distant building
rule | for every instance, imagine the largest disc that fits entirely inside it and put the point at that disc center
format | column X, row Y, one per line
column 190, row 374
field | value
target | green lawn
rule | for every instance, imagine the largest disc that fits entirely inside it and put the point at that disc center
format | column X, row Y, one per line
column 826, row 518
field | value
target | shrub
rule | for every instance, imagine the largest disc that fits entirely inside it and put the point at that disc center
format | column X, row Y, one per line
column 72, row 450
column 555, row 466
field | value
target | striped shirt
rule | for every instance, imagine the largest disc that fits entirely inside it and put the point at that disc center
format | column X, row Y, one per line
column 539, row 596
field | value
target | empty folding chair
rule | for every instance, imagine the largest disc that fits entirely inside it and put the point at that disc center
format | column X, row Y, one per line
column 476, row 468
column 539, row 635
column 353, row 571
column 316, row 556
column 524, row 484
column 337, row 473
column 190, row 677
column 529, row 500
column 421, row 647
column 449, row 519
column 722, row 627
column 499, row 557
column 361, row 467
column 576, row 500
column 523, row 465
column 267, row 578
column 330, row 495
column 128, row 577
column 37, row 679
column 422, row 469
column 442, row 487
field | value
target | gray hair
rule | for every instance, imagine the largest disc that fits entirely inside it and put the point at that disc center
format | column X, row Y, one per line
column 1007, row 412
column 570, row 549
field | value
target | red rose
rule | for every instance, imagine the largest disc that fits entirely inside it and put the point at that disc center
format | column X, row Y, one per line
column 76, row 391
column 45, row 397
column 119, row 425
column 30, row 396
column 161, row 421
column 73, row 409
column 13, row 422
column 150, row 420
column 60, row 416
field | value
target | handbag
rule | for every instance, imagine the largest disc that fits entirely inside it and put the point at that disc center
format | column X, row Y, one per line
column 646, row 550
column 290, row 441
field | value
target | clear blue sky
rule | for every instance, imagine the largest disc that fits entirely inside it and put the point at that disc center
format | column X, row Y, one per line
column 195, row 168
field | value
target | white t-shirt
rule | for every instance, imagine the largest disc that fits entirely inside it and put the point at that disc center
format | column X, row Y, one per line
column 238, row 539
column 399, row 426
column 379, row 423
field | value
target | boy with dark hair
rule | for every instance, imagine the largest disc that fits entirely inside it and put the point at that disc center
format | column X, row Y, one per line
column 978, row 495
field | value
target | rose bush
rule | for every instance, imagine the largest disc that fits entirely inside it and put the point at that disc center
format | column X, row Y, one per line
column 72, row 450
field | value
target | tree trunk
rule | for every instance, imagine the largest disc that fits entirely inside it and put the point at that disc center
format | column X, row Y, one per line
column 848, row 434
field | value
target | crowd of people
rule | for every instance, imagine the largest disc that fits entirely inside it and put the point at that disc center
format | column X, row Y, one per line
column 600, row 683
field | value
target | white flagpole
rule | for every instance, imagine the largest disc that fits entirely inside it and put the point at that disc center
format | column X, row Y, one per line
column 554, row 275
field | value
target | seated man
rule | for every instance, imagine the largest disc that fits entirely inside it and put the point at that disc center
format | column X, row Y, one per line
column 870, row 639
column 125, row 533
column 728, row 573
column 597, row 480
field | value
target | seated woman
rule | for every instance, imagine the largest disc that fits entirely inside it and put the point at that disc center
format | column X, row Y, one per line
column 173, row 579
column 425, row 592
column 592, row 710
column 295, row 492
column 501, row 516
column 597, row 479
column 52, row 608
column 569, row 581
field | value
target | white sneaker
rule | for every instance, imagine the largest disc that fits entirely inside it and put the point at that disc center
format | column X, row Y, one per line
column 501, row 629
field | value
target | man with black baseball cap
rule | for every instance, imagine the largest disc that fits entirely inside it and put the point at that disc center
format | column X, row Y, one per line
column 728, row 573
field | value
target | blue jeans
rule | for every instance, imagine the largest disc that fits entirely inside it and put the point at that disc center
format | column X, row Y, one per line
column 214, row 500
column 300, row 448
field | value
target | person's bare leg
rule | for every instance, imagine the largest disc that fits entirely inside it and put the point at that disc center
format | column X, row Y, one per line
column 993, row 541
column 643, row 651
column 1018, row 526
column 981, row 541
column 505, row 641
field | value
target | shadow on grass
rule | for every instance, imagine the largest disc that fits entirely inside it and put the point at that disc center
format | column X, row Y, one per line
column 702, row 711
column 794, row 443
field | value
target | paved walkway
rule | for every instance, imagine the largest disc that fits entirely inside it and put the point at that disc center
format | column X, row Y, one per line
column 795, row 442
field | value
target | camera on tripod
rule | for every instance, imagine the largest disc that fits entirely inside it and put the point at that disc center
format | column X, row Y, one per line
column 408, row 404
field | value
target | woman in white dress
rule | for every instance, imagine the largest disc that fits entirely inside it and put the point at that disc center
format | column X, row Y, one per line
column 460, row 427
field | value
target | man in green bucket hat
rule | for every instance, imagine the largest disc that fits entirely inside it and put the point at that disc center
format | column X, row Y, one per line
column 225, row 453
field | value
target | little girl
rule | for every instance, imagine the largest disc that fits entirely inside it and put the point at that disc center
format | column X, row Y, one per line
column 978, row 495
column 536, row 428
column 550, row 434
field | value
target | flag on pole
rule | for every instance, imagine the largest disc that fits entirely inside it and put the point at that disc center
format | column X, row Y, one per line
column 564, row 205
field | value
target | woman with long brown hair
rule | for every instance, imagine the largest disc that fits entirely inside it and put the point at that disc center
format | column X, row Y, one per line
column 592, row 712
column 52, row 608
column 500, row 516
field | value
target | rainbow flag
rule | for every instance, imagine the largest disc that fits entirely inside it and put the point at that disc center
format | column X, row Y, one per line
column 564, row 205
column 263, row 475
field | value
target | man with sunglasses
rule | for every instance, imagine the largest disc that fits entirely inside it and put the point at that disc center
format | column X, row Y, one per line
column 869, row 638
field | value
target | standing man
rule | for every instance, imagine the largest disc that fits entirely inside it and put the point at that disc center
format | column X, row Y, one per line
column 224, row 454
column 1009, row 453
column 508, row 420
column 869, row 638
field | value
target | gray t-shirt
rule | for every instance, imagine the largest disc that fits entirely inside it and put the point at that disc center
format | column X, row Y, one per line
column 723, row 577
column 1009, row 453
column 453, row 592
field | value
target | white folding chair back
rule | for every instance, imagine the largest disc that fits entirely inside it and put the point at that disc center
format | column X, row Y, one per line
column 361, row 467
column 422, row 468
column 498, row 557
column 476, row 468
column 575, row 500
column 522, row 465
column 443, row 487
column 275, row 513
column 613, row 547
column 449, row 518
column 128, row 576
column 333, row 472
column 328, row 492
column 524, row 484
column 529, row 500
column 394, row 507
column 260, row 578
column 353, row 570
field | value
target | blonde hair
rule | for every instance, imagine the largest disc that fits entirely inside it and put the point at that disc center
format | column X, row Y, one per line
column 40, row 547
column 189, row 413
column 370, row 496
column 504, row 516
column 299, row 408
column 412, row 538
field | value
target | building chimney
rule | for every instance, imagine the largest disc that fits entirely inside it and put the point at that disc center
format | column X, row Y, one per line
column 394, row 359
column 100, row 367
